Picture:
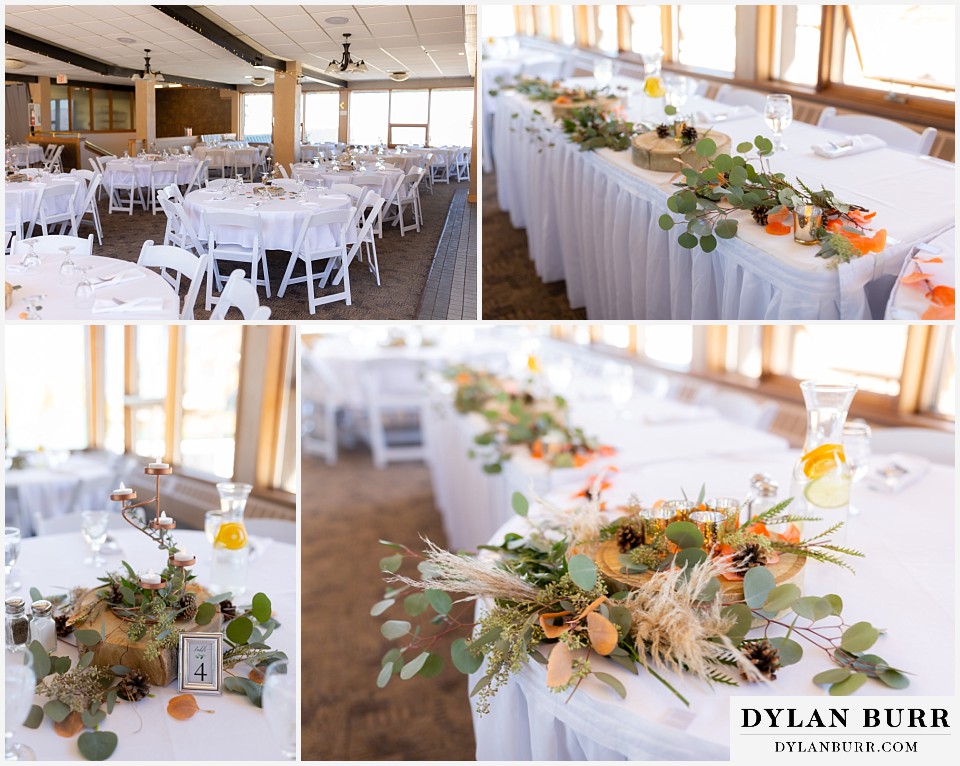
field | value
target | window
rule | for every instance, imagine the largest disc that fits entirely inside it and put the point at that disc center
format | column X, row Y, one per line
column 670, row 346
column 369, row 116
column 321, row 116
column 90, row 109
column 646, row 31
column 81, row 118
column 211, row 379
column 46, row 408
column 605, row 28
column 113, row 361
column 451, row 117
column 257, row 114
column 900, row 48
column 541, row 16
column 797, row 40
column 498, row 21
column 59, row 107
column 707, row 37
column 566, row 20
column 147, row 392
column 409, row 115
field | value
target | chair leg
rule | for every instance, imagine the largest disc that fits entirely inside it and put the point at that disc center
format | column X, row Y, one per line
column 286, row 275
column 311, row 290
column 266, row 272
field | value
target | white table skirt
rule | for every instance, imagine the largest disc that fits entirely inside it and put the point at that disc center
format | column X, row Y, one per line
column 26, row 154
column 28, row 191
column 121, row 171
column 281, row 219
column 59, row 301
column 910, row 301
column 236, row 730
column 591, row 219
column 528, row 722
column 475, row 504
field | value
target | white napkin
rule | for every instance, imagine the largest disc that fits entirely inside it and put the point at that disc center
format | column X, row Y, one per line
column 723, row 112
column 128, row 275
column 137, row 305
column 850, row 145
column 897, row 471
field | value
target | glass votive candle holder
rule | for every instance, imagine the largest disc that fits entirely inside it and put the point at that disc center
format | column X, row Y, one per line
column 211, row 524
column 806, row 220
column 729, row 506
column 655, row 522
column 681, row 508
column 711, row 525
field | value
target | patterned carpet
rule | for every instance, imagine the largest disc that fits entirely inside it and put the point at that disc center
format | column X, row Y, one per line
column 511, row 287
column 346, row 509
column 404, row 264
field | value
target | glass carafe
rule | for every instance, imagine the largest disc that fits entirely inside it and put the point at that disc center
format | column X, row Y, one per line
column 231, row 550
column 653, row 89
column 822, row 477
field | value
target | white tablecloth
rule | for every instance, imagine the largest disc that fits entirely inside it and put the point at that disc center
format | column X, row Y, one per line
column 49, row 491
column 28, row 191
column 910, row 301
column 121, row 170
column 26, row 154
column 387, row 177
column 591, row 219
column 59, row 301
column 527, row 721
column 236, row 730
column 281, row 219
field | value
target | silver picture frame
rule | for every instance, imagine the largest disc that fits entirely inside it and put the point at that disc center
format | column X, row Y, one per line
column 200, row 663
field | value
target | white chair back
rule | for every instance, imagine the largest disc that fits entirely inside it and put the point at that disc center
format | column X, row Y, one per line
column 183, row 263
column 52, row 242
column 727, row 94
column 936, row 446
column 896, row 135
column 90, row 205
column 239, row 293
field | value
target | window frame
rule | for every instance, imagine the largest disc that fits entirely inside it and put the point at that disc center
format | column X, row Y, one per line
column 131, row 97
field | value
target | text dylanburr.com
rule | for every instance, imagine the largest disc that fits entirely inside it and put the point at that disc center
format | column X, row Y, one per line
column 895, row 729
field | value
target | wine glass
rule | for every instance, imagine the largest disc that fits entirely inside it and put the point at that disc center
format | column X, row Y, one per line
column 778, row 113
column 619, row 383
column 93, row 526
column 30, row 259
column 676, row 90
column 34, row 305
column 603, row 73
column 279, row 700
column 11, row 552
column 21, row 684
column 83, row 292
column 856, row 449
column 68, row 269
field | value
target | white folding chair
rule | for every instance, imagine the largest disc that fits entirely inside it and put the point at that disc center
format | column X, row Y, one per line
column 895, row 134
column 49, row 243
column 283, row 170
column 123, row 187
column 239, row 293
column 53, row 164
column 408, row 195
column 244, row 160
column 183, row 234
column 351, row 190
column 281, row 530
column 225, row 230
column 216, row 162
column 216, row 183
column 182, row 263
column 364, row 220
column 52, row 197
column 727, row 94
column 199, row 176
column 174, row 192
column 462, row 164
column 162, row 174
column 48, row 152
column 739, row 407
column 90, row 205
column 320, row 226
column 937, row 446
column 440, row 167
column 12, row 218
column 394, row 395
column 322, row 398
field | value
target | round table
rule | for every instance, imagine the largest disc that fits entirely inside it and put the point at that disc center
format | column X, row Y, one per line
column 280, row 218
column 236, row 730
column 26, row 154
column 121, row 169
column 527, row 721
column 387, row 177
column 28, row 191
column 144, row 293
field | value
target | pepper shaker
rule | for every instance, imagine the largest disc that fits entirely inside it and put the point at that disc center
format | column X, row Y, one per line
column 17, row 625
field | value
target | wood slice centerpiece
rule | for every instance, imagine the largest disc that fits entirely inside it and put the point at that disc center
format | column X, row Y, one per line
column 117, row 649
column 662, row 154
column 564, row 111
column 606, row 555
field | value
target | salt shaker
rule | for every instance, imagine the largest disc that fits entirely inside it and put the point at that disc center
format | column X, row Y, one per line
column 42, row 627
column 763, row 491
column 17, row 626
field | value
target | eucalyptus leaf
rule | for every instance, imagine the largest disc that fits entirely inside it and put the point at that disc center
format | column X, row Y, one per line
column 439, row 600
column 382, row 606
column 621, row 617
column 85, row 660
column 261, row 608
column 833, row 676
column 849, row 686
column 93, row 720
column 34, row 717
column 432, row 667
column 757, row 584
column 205, row 613
column 41, row 660
column 56, row 711
column 744, row 147
column 416, row 604
column 836, row 603
column 239, row 630
column 384, row 676
column 670, row 110
column 582, row 571
column 690, row 557
column 87, row 637
column 708, row 243
column 413, row 667
column 520, row 504
column 744, row 619
column 723, row 163
column 60, row 665
column 782, row 597
column 391, row 563
column 97, row 745
column 726, row 229
column 35, row 595
column 814, row 608
column 481, row 684
column 790, row 651
column 859, row 637
column 626, row 662
column 684, row 534
column 710, row 590
column 393, row 629
column 665, row 222
column 613, row 682
column 463, row 659
column 894, row 679
column 239, row 685
column 706, row 147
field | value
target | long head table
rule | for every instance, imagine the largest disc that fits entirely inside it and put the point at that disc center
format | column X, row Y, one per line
column 236, row 730
column 529, row 722
column 591, row 219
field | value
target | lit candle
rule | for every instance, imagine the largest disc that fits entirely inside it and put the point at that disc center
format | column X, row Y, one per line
column 182, row 556
column 164, row 520
column 150, row 578
column 158, row 464
column 807, row 219
column 123, row 490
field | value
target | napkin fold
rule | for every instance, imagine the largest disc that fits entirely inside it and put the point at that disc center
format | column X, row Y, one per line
column 128, row 275
column 849, row 145
column 137, row 305
column 896, row 472
column 723, row 112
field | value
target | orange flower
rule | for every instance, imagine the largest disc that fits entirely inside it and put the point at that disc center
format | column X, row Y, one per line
column 605, row 450
column 580, row 459
column 942, row 295
column 861, row 241
column 791, row 534
column 939, row 312
column 776, row 228
column 862, row 217
column 562, row 100
column 536, row 449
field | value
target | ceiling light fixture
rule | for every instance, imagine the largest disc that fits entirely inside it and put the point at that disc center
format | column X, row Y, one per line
column 337, row 20
column 258, row 81
column 399, row 76
column 127, row 40
column 346, row 64
column 13, row 64
column 146, row 74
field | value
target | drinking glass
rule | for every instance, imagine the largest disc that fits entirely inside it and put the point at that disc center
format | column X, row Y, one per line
column 68, row 269
column 83, row 292
column 856, row 448
column 279, row 702
column 93, row 526
column 619, row 383
column 34, row 305
column 21, row 683
column 211, row 524
column 778, row 113
column 11, row 552
column 30, row 259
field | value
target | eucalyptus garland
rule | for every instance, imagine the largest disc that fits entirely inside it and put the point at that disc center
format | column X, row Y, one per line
column 593, row 129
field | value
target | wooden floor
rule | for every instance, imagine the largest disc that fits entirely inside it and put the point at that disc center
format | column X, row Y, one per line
column 346, row 509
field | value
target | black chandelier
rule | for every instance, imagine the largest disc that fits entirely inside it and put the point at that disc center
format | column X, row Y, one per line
column 146, row 74
column 346, row 64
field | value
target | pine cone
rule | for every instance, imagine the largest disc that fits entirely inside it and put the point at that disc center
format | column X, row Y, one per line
column 228, row 610
column 629, row 536
column 746, row 558
column 64, row 628
column 759, row 214
column 764, row 657
column 114, row 596
column 663, row 131
column 689, row 134
column 188, row 605
column 134, row 686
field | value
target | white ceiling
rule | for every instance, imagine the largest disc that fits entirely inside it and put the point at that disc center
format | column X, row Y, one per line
column 428, row 41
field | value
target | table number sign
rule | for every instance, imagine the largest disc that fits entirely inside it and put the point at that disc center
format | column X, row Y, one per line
column 201, row 666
